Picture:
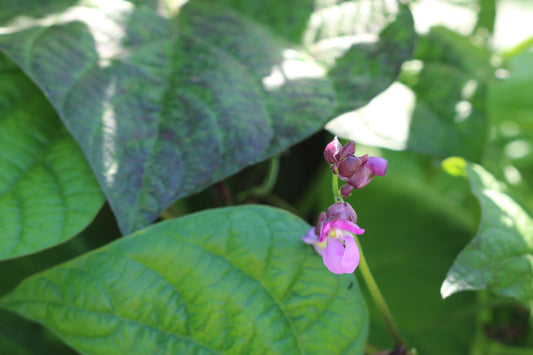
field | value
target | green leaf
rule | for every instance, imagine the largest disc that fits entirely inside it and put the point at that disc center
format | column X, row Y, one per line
column 287, row 18
column 48, row 193
column 510, row 99
column 166, row 100
column 448, row 119
column 500, row 257
column 412, row 234
column 163, row 101
column 443, row 45
column 449, row 115
column 366, row 69
column 232, row 280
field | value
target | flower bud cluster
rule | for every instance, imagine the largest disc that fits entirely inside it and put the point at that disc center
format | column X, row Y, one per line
column 357, row 172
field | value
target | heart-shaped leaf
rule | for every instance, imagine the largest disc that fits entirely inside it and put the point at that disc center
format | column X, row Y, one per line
column 47, row 191
column 165, row 101
column 232, row 280
column 500, row 257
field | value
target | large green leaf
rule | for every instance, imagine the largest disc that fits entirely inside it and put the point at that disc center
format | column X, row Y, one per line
column 500, row 257
column 47, row 191
column 232, row 280
column 164, row 101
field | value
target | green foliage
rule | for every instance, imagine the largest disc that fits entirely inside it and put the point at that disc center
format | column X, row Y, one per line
column 48, row 193
column 449, row 115
column 164, row 103
column 499, row 258
column 162, row 107
column 242, row 283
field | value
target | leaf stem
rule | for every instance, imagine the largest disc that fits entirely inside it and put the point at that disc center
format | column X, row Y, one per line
column 268, row 183
column 378, row 297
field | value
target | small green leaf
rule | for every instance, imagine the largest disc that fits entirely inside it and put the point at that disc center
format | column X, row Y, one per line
column 232, row 280
column 500, row 257
column 47, row 191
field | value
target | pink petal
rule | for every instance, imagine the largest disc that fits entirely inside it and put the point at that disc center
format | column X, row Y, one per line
column 377, row 165
column 350, row 259
column 348, row 149
column 325, row 230
column 310, row 237
column 332, row 256
column 361, row 178
column 346, row 225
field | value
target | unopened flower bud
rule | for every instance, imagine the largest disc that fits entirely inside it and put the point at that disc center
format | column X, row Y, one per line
column 332, row 150
column 348, row 149
column 350, row 165
column 346, row 190
column 341, row 210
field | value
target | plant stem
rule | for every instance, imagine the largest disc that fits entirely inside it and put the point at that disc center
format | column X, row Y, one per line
column 335, row 187
column 378, row 297
column 267, row 185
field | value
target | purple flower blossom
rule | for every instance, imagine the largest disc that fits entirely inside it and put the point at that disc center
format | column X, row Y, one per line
column 332, row 238
column 357, row 172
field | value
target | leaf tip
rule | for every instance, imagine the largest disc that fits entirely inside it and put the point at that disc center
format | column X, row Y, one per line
column 447, row 289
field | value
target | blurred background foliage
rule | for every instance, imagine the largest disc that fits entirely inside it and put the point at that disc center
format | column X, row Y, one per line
column 467, row 92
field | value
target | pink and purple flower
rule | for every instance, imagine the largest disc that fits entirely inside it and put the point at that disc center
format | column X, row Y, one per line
column 333, row 239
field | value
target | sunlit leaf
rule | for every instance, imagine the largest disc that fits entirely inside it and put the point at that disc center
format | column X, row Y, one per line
column 233, row 280
column 364, row 43
column 166, row 100
column 162, row 111
column 500, row 257
column 439, row 106
column 47, row 191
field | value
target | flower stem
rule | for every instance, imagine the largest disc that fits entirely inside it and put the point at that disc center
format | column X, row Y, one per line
column 378, row 297
column 335, row 187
